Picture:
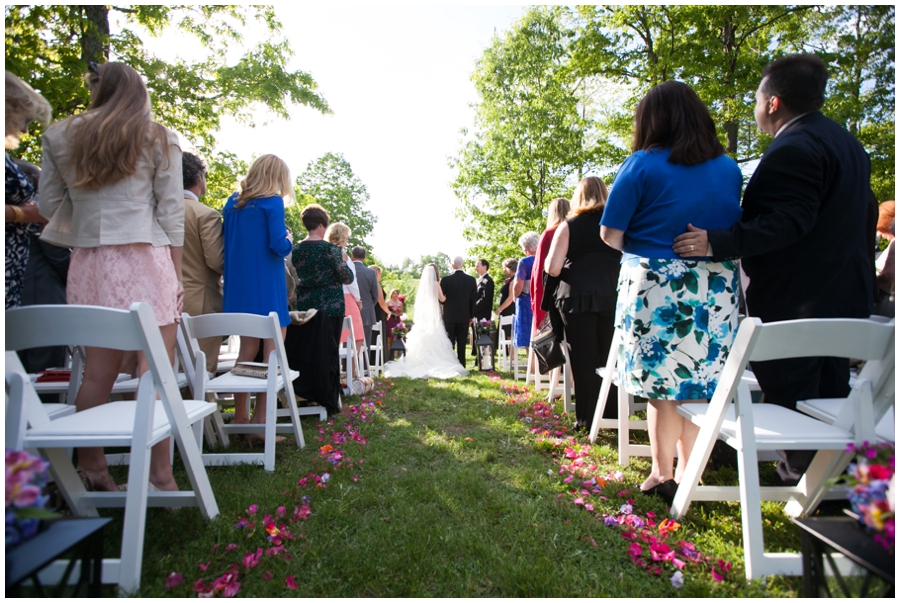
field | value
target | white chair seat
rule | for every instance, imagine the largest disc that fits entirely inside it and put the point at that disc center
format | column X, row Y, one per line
column 229, row 382
column 111, row 423
column 827, row 409
column 775, row 428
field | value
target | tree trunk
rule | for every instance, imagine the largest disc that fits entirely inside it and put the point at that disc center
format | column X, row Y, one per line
column 731, row 137
column 95, row 33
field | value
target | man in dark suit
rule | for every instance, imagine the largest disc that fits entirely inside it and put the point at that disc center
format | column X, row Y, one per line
column 484, row 296
column 368, row 291
column 804, row 234
column 459, row 307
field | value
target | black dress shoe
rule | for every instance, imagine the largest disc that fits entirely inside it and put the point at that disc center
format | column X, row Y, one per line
column 579, row 427
column 666, row 491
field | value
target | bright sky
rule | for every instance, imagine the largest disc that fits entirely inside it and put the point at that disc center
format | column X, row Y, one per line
column 398, row 82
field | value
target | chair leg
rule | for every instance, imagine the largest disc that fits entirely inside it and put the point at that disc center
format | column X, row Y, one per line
column 748, row 484
column 291, row 405
column 826, row 464
column 624, row 399
column 136, row 499
column 271, row 417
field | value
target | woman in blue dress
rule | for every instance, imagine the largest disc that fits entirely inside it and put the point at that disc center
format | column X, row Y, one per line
column 521, row 290
column 677, row 317
column 256, row 243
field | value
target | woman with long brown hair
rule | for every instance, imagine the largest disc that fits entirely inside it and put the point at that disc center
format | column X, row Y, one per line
column 112, row 189
column 677, row 316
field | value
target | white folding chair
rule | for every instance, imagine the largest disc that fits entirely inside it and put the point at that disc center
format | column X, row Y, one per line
column 504, row 356
column 54, row 410
column 627, row 406
column 749, row 427
column 378, row 349
column 347, row 353
column 278, row 384
column 135, row 424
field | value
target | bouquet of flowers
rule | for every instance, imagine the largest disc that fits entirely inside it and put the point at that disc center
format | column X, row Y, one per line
column 870, row 481
column 25, row 476
column 483, row 326
column 399, row 331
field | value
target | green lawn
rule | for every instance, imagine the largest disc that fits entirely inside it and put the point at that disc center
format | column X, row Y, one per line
column 442, row 489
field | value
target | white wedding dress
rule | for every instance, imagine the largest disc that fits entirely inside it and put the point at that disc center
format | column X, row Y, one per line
column 429, row 353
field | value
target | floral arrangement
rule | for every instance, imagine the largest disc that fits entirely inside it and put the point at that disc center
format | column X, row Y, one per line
column 25, row 505
column 869, row 480
column 483, row 326
column 399, row 331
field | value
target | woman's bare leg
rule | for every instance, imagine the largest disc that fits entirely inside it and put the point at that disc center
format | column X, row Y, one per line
column 101, row 367
column 689, row 434
column 246, row 353
column 259, row 410
column 160, row 461
column 665, row 427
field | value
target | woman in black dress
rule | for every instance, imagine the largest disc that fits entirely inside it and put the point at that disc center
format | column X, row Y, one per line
column 507, row 306
column 586, row 297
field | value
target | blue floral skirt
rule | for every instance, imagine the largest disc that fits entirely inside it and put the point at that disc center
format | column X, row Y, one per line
column 678, row 319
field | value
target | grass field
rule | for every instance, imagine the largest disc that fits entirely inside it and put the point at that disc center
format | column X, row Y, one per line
column 461, row 488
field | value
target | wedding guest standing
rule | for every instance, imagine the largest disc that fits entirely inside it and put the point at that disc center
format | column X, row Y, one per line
column 111, row 189
column 256, row 243
column 338, row 234
column 484, row 297
column 322, row 270
column 586, row 296
column 396, row 307
column 678, row 317
column 204, row 248
column 556, row 215
column 21, row 216
column 523, row 323
column 507, row 305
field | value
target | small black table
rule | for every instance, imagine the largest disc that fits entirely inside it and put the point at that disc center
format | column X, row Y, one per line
column 820, row 536
column 25, row 560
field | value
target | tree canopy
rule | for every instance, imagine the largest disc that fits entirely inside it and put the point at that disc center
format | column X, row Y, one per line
column 557, row 94
column 49, row 46
column 330, row 182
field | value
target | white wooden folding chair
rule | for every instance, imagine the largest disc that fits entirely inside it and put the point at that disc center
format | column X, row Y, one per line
column 377, row 349
column 54, row 410
column 627, row 406
column 749, row 427
column 278, row 384
column 136, row 424
column 505, row 347
column 347, row 353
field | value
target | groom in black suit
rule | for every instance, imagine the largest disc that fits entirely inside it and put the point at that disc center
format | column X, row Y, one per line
column 459, row 307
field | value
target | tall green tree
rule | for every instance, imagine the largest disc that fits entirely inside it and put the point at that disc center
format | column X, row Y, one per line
column 331, row 182
column 857, row 42
column 719, row 50
column 49, row 46
column 528, row 144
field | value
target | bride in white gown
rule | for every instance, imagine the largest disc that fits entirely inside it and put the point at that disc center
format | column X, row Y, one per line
column 429, row 353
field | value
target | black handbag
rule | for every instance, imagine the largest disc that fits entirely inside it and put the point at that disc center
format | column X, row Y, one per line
column 548, row 349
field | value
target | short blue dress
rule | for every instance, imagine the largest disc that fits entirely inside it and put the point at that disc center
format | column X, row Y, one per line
column 523, row 318
column 256, row 244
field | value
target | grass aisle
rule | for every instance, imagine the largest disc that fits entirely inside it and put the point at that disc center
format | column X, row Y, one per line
column 459, row 488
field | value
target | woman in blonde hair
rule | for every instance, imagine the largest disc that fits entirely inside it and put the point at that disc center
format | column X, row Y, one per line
column 586, row 297
column 23, row 106
column 556, row 215
column 338, row 234
column 256, row 243
column 112, row 189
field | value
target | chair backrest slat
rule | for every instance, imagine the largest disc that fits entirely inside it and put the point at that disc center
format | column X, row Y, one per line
column 837, row 337
column 51, row 325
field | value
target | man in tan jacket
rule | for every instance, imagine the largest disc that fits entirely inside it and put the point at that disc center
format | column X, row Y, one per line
column 203, row 253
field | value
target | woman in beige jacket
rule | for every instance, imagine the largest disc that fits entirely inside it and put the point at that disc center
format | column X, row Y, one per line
column 112, row 189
